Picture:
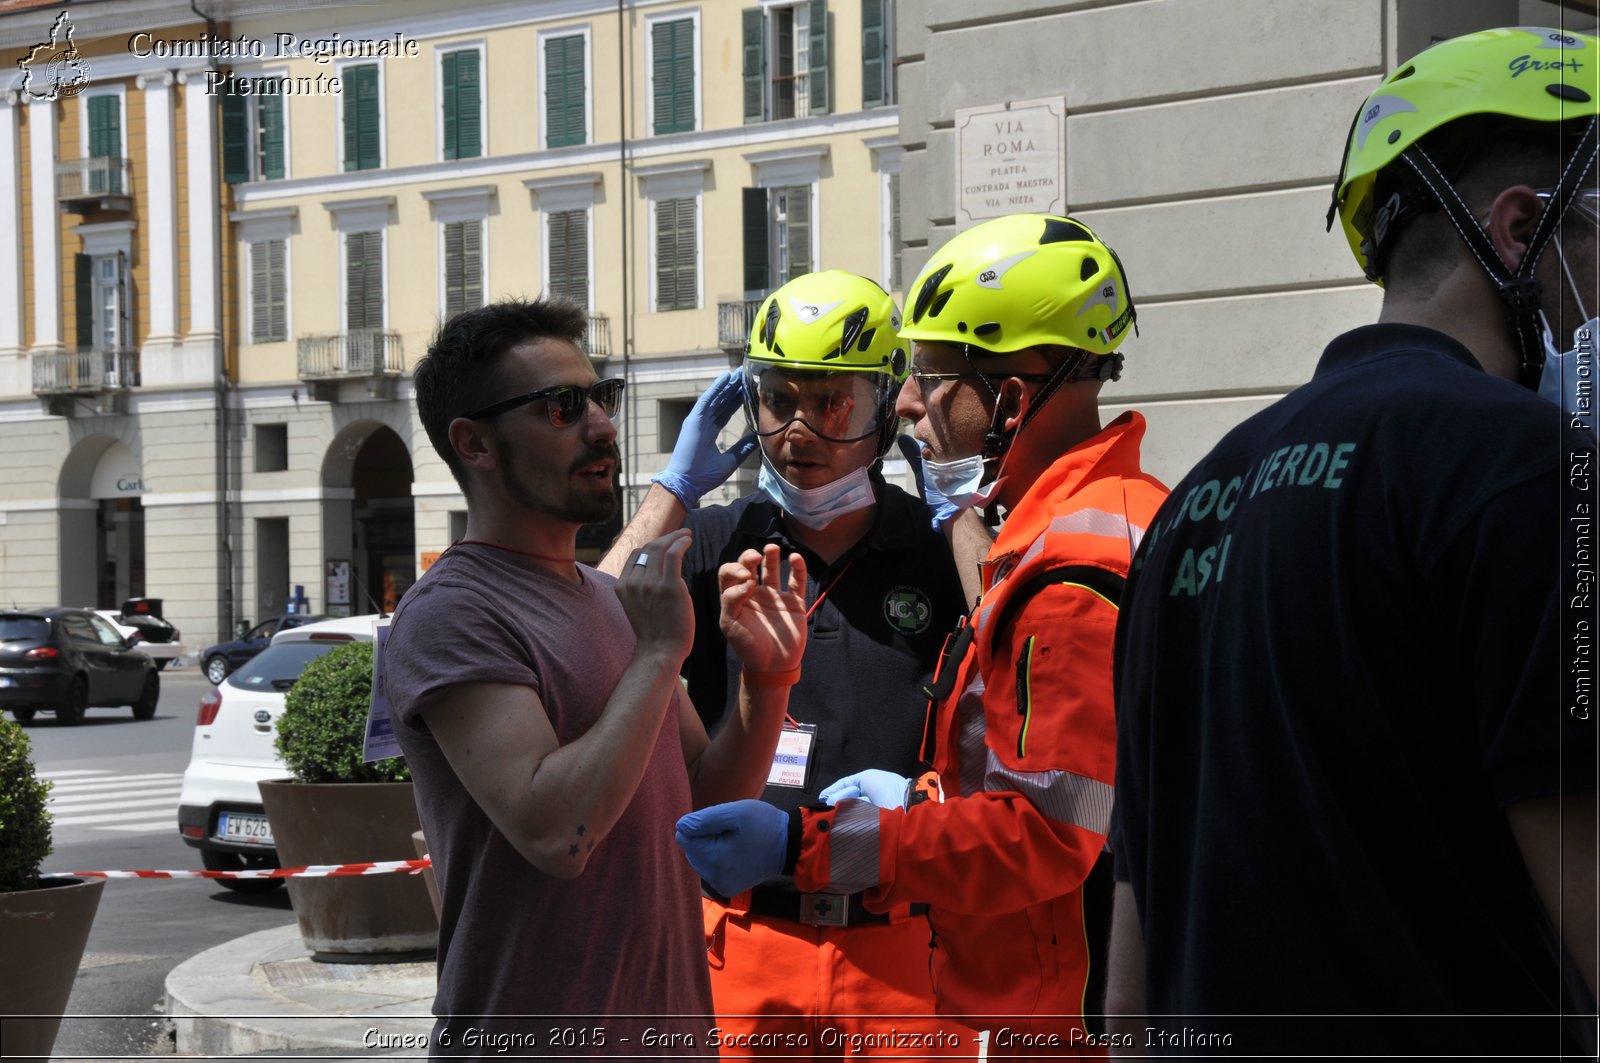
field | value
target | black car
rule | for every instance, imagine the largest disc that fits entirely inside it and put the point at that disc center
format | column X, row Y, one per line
column 224, row 657
column 67, row 660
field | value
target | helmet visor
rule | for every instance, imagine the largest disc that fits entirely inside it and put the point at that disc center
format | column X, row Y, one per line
column 839, row 407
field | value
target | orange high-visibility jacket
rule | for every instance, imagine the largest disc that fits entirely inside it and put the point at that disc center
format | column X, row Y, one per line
column 1025, row 752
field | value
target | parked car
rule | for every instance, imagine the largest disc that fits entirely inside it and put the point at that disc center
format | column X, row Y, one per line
column 67, row 660
column 224, row 657
column 140, row 621
column 219, row 807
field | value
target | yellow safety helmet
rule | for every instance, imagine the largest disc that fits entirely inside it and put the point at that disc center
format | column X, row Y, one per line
column 835, row 324
column 1022, row 281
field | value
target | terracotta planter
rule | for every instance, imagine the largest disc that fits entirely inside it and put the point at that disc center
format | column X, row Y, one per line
column 358, row 919
column 45, row 931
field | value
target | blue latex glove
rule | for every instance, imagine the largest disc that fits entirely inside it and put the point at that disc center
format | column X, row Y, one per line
column 943, row 511
column 697, row 465
column 882, row 788
column 736, row 845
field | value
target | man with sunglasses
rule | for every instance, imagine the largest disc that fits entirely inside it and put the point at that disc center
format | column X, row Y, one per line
column 818, row 385
column 1355, row 726
column 539, row 707
column 1016, row 324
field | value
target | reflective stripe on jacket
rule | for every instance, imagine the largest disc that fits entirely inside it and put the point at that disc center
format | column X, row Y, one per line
column 1025, row 754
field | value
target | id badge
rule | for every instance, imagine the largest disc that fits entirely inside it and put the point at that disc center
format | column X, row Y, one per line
column 791, row 764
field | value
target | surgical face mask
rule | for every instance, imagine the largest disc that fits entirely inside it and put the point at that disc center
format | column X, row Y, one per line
column 817, row 507
column 1568, row 379
column 961, row 481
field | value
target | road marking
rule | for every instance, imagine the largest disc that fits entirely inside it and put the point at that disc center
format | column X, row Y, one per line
column 143, row 828
column 110, row 817
column 113, row 782
column 108, row 801
column 90, row 802
column 73, row 771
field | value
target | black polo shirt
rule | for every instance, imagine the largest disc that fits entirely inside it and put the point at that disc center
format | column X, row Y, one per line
column 873, row 641
column 1340, row 659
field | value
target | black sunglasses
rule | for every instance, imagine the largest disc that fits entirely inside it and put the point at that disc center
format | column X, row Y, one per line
column 567, row 402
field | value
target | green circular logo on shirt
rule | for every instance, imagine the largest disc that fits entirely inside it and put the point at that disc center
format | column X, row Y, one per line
column 908, row 610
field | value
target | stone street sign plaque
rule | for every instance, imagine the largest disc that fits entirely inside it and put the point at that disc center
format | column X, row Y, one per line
column 1011, row 159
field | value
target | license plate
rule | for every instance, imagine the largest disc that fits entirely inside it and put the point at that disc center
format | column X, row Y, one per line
column 244, row 827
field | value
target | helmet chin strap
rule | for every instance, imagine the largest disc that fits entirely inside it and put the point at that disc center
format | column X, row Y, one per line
column 1517, row 289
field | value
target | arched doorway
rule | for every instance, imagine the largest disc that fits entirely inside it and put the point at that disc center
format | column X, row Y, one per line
column 370, row 540
column 102, row 543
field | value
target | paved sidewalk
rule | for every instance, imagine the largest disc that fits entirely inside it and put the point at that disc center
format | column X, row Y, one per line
column 262, row 993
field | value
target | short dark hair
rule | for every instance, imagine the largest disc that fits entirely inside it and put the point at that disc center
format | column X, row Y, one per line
column 1482, row 155
column 458, row 374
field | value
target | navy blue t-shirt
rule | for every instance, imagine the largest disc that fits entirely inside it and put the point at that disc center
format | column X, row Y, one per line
column 872, row 642
column 1340, row 659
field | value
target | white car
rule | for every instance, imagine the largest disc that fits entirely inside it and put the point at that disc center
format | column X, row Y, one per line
column 140, row 622
column 219, row 807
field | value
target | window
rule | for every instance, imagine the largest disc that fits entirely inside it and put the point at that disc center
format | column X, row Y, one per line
column 105, row 142
column 786, row 61
column 272, row 447
column 363, row 271
column 461, row 98
column 673, row 76
column 565, row 91
column 269, row 300
column 463, row 267
column 670, row 415
column 893, row 250
column 676, row 266
column 102, row 298
column 253, row 135
column 567, row 233
column 877, row 60
column 777, row 236
column 363, row 117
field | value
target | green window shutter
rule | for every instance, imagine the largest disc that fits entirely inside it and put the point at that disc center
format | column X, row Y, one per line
column 874, row 55
column 757, row 275
column 271, row 118
column 755, row 62
column 896, row 252
column 449, row 92
column 260, row 292
column 675, row 265
column 105, row 126
column 818, row 80
column 463, row 124
column 363, row 280
column 235, row 138
column 798, row 200
column 569, row 256
column 463, row 266
column 672, row 65
column 361, row 118
column 83, row 266
column 563, row 92
column 278, row 290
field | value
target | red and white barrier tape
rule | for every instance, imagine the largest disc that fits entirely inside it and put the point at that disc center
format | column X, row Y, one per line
column 385, row 867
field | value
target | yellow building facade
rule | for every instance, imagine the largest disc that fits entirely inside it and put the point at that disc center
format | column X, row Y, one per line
column 377, row 169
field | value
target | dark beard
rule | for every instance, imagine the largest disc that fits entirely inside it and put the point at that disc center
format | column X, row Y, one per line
column 582, row 509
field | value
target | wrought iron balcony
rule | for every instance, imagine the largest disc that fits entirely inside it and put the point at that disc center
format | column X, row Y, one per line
column 103, row 375
column 102, row 182
column 371, row 355
column 734, row 318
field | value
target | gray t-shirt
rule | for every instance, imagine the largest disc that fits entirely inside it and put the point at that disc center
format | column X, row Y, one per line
column 625, row 938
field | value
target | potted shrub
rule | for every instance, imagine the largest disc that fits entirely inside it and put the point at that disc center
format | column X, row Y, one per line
column 44, row 922
column 340, row 810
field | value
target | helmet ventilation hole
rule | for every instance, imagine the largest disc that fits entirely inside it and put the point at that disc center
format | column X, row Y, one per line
column 1060, row 230
column 1568, row 92
column 1394, row 135
column 930, row 288
column 1089, row 268
column 1404, row 72
column 866, row 340
column 987, row 328
column 961, row 326
column 938, row 304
